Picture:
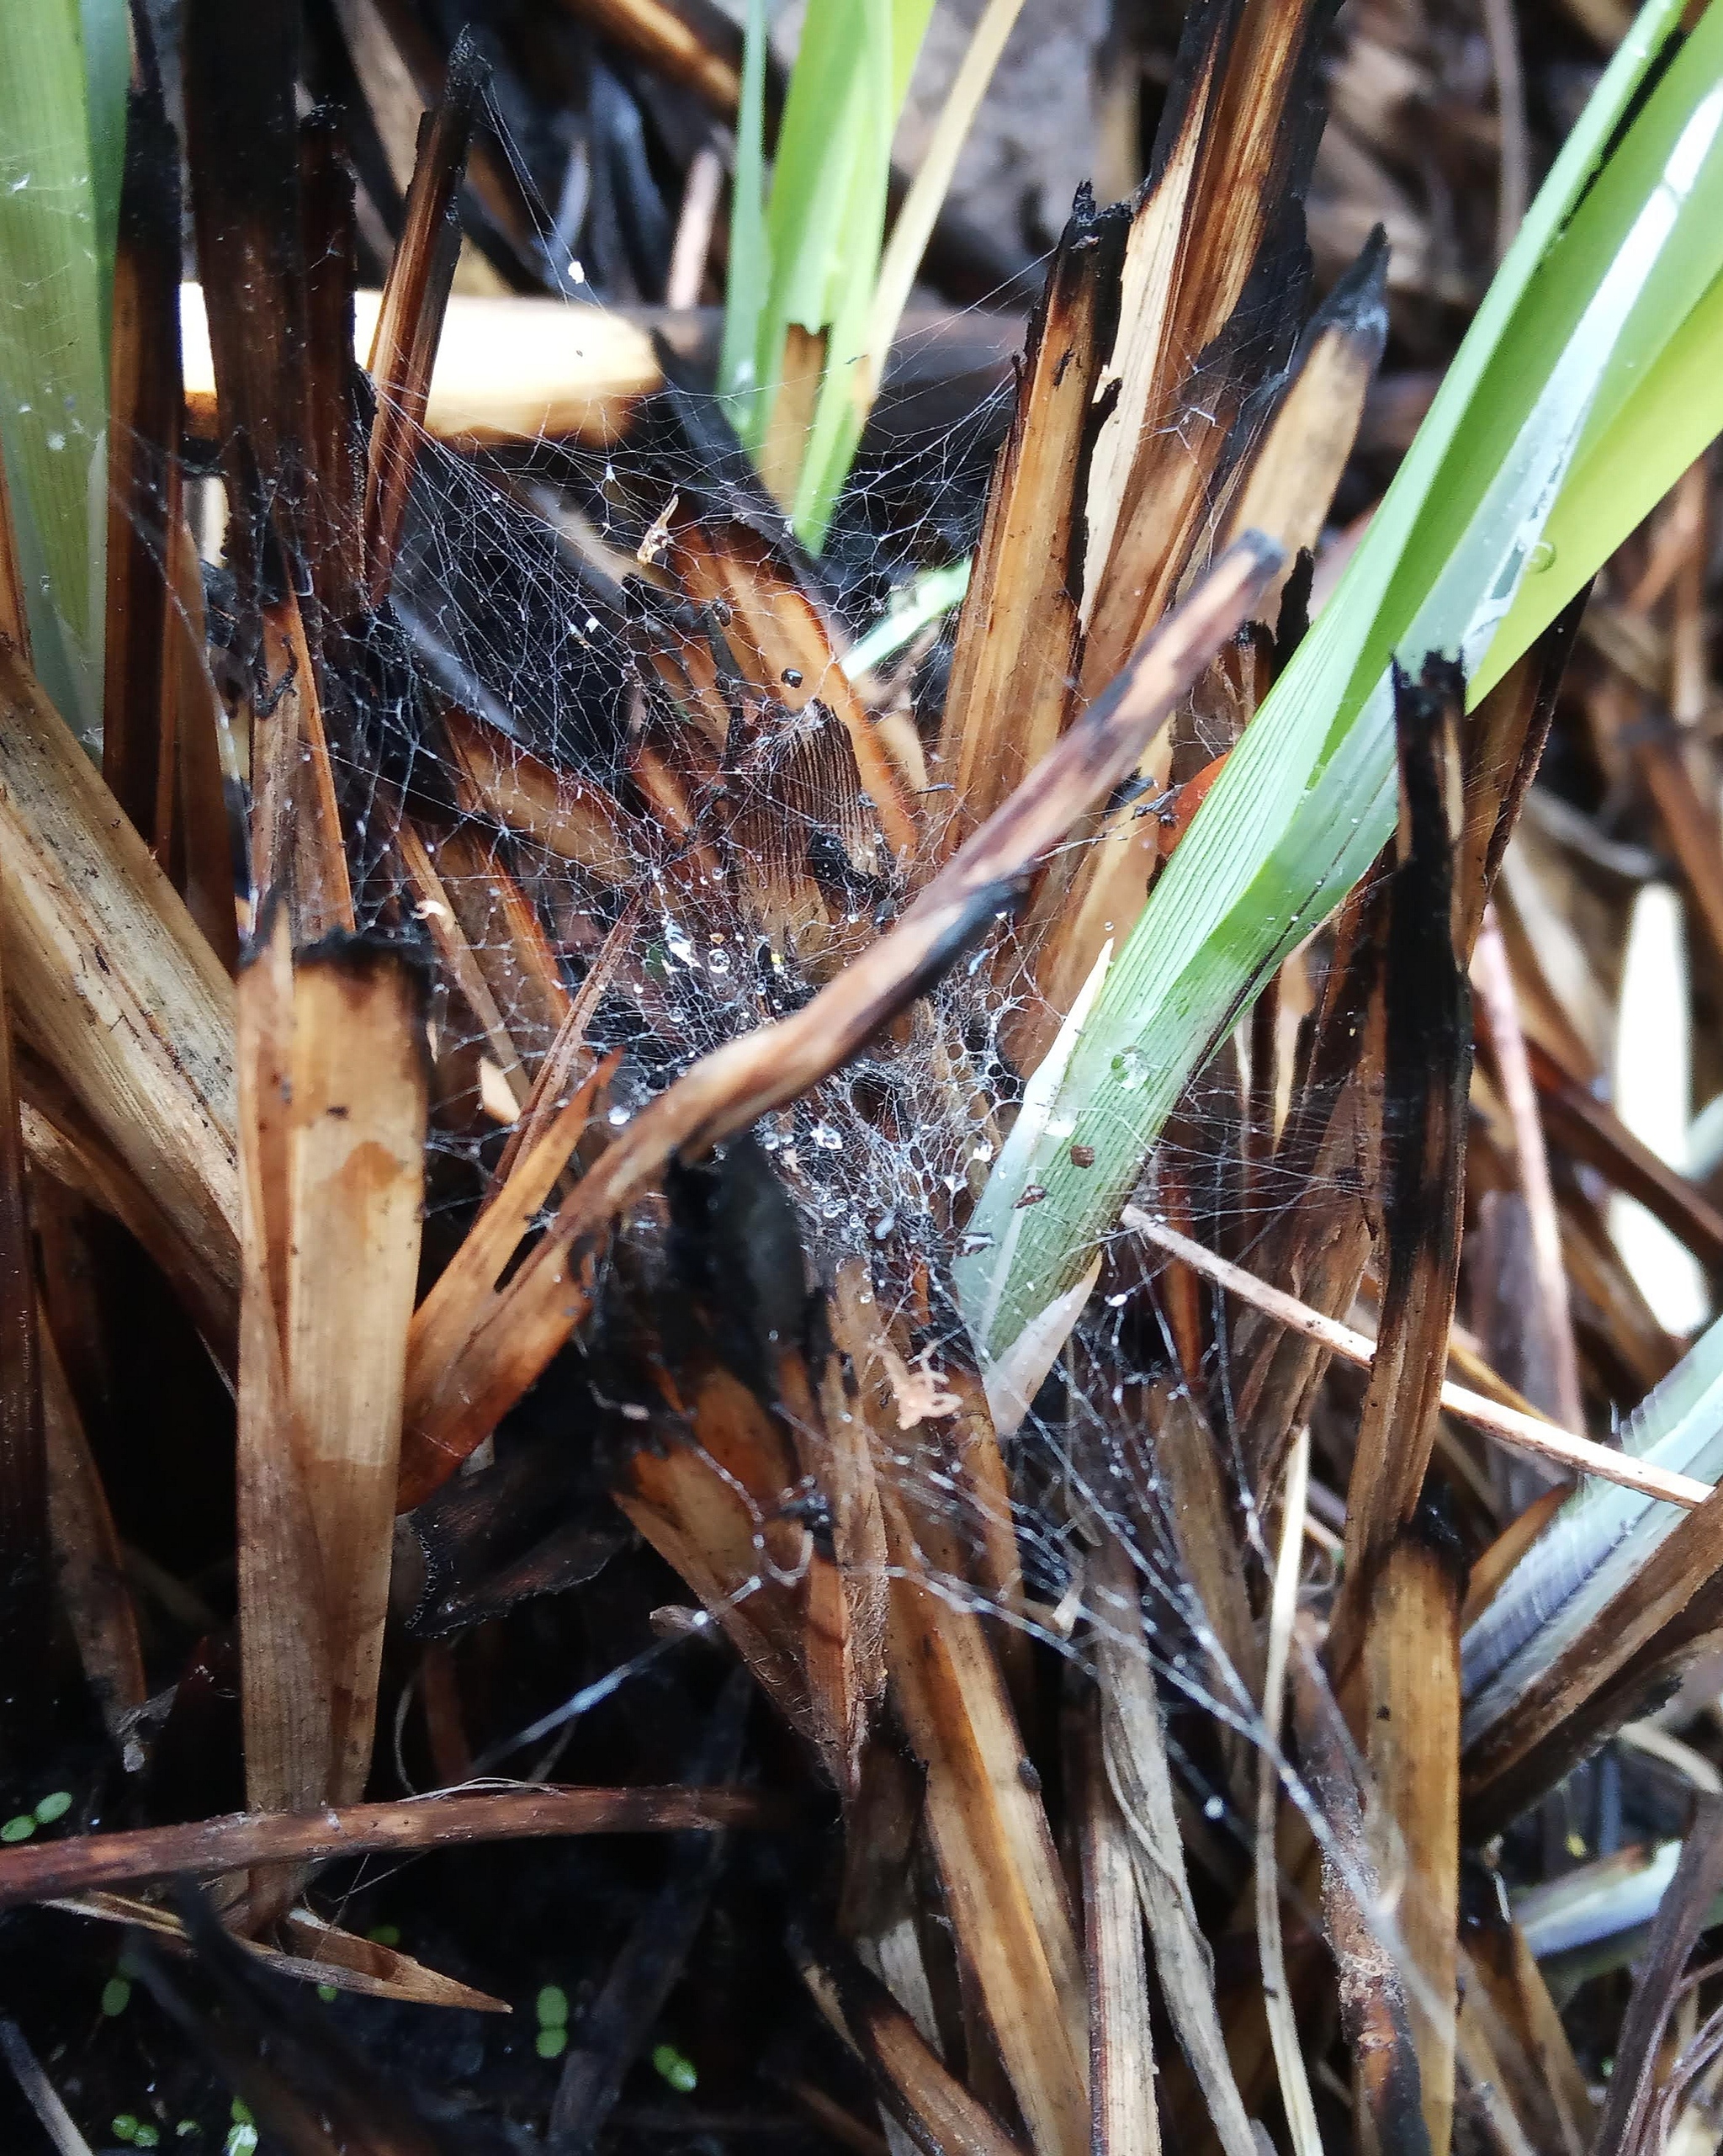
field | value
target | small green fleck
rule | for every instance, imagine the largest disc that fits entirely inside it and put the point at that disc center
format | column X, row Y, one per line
column 680, row 2072
column 54, row 1806
column 328, row 1993
column 384, row 1935
column 241, row 2141
column 553, row 2007
column 241, row 2113
column 551, row 2043
column 116, row 1995
column 126, row 2127
column 19, row 1828
column 186, row 2127
column 147, row 2135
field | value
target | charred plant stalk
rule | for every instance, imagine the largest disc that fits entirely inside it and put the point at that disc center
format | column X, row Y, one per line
column 1427, row 1067
column 333, row 1092
column 25, row 1605
column 1373, row 2007
column 1413, row 1681
column 241, row 1839
column 411, row 320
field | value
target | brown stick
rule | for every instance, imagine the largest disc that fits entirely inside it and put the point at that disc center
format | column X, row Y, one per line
column 45, row 1870
column 1681, row 1917
column 25, row 1607
column 1122, row 2069
column 1528, row 1431
column 409, row 320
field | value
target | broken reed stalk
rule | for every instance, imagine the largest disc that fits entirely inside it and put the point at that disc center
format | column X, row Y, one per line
column 46, row 1870
column 1123, row 2116
column 332, row 1077
column 1373, row 2006
column 1528, row 1432
column 87, row 1553
column 409, row 320
column 1681, row 1914
column 39, row 2092
column 1411, row 1662
column 988, row 1831
column 1499, row 1007
column 324, row 1954
column 913, row 2085
column 1134, row 1749
column 1426, row 1075
column 147, row 1048
column 26, row 1599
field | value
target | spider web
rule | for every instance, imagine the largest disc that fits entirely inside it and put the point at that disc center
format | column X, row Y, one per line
column 531, row 595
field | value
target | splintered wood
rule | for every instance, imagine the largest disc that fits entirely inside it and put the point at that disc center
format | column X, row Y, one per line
column 332, row 1088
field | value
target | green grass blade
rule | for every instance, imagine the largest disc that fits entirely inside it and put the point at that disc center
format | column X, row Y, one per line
column 749, row 277
column 924, row 599
column 812, row 260
column 107, row 34
column 60, row 161
column 839, row 290
column 1305, row 801
column 818, row 142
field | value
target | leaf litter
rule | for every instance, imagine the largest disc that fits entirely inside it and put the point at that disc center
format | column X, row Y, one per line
column 516, row 1312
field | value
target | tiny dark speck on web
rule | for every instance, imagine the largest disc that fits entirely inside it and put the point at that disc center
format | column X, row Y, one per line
column 338, row 1109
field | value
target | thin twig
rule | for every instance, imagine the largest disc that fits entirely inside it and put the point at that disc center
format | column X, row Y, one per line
column 45, row 1870
column 1529, row 1432
column 694, row 226
column 1492, row 978
column 1277, row 1999
column 1513, row 169
column 40, row 2092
